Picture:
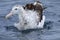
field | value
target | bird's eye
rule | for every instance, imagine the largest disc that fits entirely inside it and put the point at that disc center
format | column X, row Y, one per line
column 15, row 8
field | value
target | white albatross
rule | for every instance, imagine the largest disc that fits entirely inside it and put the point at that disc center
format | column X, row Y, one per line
column 27, row 19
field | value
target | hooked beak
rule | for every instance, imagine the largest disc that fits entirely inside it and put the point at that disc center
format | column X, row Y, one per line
column 8, row 15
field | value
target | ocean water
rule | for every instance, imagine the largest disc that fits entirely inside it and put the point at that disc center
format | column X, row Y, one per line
column 51, row 30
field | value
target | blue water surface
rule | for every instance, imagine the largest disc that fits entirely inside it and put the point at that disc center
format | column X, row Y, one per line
column 51, row 29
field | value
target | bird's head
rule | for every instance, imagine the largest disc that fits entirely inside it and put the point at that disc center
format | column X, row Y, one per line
column 15, row 10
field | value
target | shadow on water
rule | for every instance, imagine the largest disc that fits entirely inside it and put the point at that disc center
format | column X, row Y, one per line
column 48, row 25
column 12, row 28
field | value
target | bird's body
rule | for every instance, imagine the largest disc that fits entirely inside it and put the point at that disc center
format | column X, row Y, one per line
column 28, row 19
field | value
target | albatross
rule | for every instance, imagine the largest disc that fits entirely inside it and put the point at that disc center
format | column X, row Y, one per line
column 28, row 19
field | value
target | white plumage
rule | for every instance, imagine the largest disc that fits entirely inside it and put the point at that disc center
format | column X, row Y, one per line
column 28, row 19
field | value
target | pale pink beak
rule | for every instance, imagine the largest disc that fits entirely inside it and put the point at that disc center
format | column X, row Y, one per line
column 8, row 15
